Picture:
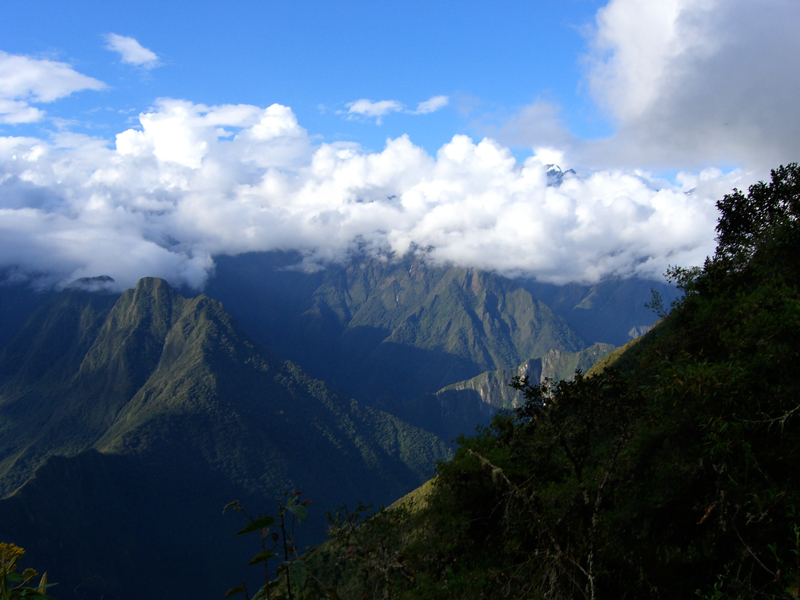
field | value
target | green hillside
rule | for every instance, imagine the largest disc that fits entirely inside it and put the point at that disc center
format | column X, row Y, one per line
column 611, row 311
column 460, row 407
column 673, row 473
column 176, row 406
column 383, row 331
column 493, row 388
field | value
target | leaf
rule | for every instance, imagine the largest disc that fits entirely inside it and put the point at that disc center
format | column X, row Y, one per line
column 299, row 511
column 298, row 573
column 264, row 591
column 28, row 574
column 257, row 525
column 261, row 557
column 234, row 590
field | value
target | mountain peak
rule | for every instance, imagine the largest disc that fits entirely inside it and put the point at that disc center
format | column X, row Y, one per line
column 555, row 175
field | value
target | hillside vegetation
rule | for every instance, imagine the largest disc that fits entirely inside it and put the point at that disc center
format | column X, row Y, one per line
column 460, row 407
column 672, row 473
column 127, row 423
column 387, row 331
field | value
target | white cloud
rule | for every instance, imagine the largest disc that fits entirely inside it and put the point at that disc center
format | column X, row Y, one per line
column 378, row 110
column 25, row 80
column 131, row 51
column 196, row 181
column 368, row 108
column 697, row 82
column 432, row 105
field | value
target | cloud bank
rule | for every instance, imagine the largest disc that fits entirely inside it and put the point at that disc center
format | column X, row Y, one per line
column 693, row 82
column 195, row 181
column 685, row 84
column 688, row 83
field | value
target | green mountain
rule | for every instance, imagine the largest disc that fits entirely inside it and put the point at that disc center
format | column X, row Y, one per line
column 18, row 300
column 611, row 311
column 156, row 409
column 385, row 332
column 493, row 389
column 674, row 472
column 460, row 407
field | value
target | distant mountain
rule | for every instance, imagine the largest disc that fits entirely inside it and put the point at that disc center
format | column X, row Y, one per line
column 611, row 311
column 493, row 389
column 162, row 409
column 18, row 301
column 385, row 332
column 555, row 175
column 460, row 407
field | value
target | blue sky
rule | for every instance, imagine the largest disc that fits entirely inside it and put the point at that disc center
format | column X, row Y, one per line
column 148, row 138
column 489, row 58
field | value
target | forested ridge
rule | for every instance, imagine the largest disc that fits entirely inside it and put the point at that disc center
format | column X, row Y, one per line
column 669, row 471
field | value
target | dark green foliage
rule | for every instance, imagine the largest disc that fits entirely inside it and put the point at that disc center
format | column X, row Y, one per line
column 674, row 475
column 290, row 577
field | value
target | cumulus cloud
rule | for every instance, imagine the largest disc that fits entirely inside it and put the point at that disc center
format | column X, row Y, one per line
column 697, row 82
column 432, row 105
column 25, row 80
column 193, row 182
column 131, row 51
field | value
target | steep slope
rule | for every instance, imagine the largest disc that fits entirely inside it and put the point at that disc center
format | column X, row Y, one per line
column 183, row 408
column 611, row 311
column 460, row 407
column 493, row 388
column 38, row 395
column 18, row 300
column 387, row 331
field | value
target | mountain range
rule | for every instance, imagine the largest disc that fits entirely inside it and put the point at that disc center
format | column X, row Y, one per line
column 128, row 420
column 154, row 396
